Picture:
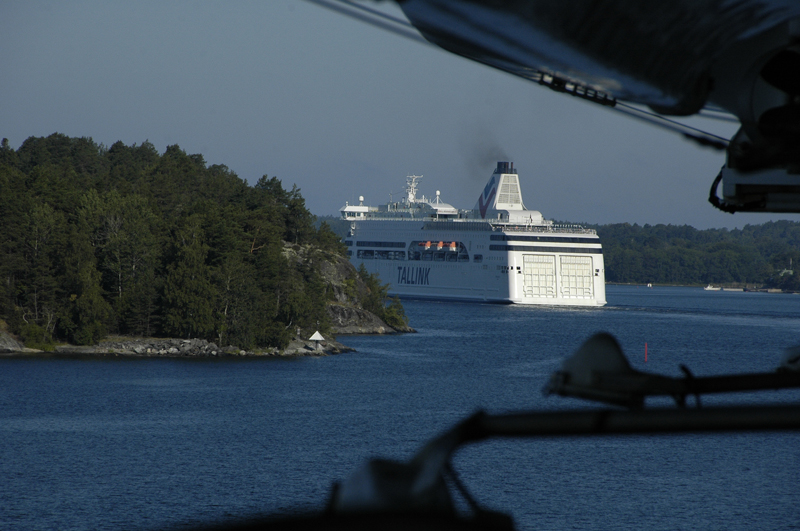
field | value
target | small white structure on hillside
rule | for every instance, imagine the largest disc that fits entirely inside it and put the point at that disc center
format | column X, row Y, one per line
column 317, row 337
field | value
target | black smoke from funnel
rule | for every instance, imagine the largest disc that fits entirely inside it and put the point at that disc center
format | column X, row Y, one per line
column 481, row 153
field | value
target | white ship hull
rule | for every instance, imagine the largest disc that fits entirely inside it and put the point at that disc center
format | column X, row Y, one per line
column 544, row 272
column 497, row 252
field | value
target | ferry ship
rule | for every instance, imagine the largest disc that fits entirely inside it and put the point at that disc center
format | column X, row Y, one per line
column 498, row 252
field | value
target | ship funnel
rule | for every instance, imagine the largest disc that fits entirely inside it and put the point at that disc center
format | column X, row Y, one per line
column 505, row 167
column 502, row 192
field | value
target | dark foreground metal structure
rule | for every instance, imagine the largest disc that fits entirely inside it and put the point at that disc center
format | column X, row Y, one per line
column 733, row 60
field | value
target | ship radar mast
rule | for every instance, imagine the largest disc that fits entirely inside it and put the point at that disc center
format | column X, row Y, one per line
column 411, row 188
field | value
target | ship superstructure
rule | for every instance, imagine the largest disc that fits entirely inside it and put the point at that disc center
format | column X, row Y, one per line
column 497, row 252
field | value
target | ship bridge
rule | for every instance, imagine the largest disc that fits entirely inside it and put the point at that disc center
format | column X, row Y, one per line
column 359, row 211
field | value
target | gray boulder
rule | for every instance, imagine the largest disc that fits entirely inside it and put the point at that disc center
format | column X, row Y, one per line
column 9, row 344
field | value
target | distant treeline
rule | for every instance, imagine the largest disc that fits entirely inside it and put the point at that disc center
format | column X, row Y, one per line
column 759, row 255
column 95, row 240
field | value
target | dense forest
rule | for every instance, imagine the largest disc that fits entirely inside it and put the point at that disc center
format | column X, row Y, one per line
column 757, row 255
column 124, row 240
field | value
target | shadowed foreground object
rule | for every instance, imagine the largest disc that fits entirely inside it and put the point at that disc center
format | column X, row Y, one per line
column 600, row 371
column 678, row 57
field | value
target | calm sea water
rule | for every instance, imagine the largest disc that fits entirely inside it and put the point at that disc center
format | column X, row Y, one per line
column 151, row 443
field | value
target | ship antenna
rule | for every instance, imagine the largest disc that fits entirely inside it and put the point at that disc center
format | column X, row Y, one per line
column 411, row 187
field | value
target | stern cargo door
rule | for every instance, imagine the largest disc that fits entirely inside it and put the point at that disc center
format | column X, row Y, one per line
column 576, row 277
column 539, row 275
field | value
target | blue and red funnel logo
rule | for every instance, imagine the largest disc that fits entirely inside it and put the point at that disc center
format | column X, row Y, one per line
column 488, row 195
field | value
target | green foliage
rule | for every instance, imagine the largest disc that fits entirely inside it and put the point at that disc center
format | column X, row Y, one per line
column 34, row 336
column 340, row 227
column 242, row 310
column 395, row 315
column 188, row 292
column 98, row 240
column 378, row 302
column 329, row 240
column 350, row 288
column 87, row 314
column 668, row 254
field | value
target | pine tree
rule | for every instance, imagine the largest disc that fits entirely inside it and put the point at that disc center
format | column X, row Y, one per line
column 189, row 295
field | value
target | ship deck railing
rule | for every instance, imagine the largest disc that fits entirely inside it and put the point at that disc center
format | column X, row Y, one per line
column 477, row 225
column 569, row 229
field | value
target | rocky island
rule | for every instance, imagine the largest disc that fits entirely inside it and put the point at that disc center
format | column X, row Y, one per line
column 122, row 250
column 345, row 311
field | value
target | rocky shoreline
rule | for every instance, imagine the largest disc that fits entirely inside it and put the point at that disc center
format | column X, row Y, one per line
column 176, row 348
column 346, row 321
column 196, row 348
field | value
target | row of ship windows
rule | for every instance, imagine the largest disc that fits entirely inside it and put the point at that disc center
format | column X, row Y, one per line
column 415, row 245
column 493, row 237
column 450, row 251
column 396, row 245
column 435, row 256
column 428, row 250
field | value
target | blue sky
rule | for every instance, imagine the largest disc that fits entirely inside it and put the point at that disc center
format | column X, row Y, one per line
column 340, row 108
